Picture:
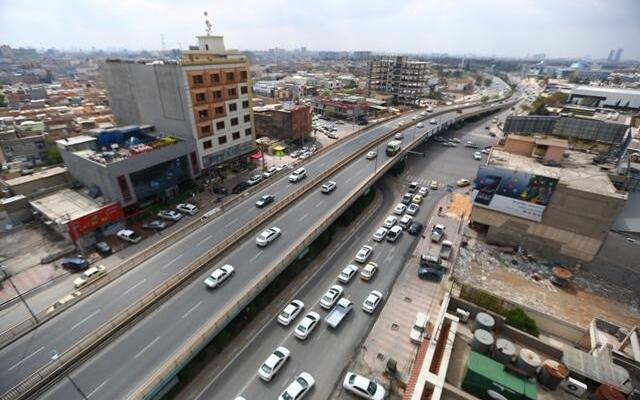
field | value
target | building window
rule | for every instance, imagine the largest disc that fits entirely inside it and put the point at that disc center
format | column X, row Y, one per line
column 220, row 125
column 232, row 92
column 247, row 118
column 236, row 135
column 207, row 144
column 245, row 104
column 247, row 132
column 244, row 90
column 222, row 140
column 215, row 78
column 205, row 129
column 217, row 94
column 124, row 188
column 198, row 79
column 203, row 114
column 234, row 121
column 243, row 75
column 233, row 107
column 219, row 110
column 230, row 76
column 200, row 97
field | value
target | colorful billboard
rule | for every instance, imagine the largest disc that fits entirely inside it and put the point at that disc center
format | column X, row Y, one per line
column 520, row 194
column 87, row 223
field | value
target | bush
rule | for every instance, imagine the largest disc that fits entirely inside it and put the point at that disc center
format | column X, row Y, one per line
column 519, row 319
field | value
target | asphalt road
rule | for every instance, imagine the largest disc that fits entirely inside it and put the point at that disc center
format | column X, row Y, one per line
column 327, row 352
column 124, row 364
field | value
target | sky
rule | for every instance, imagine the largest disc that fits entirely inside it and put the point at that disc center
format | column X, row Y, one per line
column 559, row 28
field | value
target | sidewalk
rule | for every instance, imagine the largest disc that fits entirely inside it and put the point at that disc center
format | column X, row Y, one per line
column 389, row 337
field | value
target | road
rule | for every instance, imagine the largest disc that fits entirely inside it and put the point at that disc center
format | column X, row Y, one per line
column 123, row 365
column 239, row 376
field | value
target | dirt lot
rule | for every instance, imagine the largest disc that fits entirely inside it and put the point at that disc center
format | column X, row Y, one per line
column 22, row 248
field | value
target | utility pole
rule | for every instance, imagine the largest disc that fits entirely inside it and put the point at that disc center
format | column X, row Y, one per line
column 7, row 277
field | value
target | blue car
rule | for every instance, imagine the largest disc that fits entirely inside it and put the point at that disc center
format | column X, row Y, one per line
column 77, row 263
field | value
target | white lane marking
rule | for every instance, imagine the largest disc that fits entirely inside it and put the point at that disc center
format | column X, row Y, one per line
column 318, row 204
column 85, row 319
column 256, row 256
column 319, row 334
column 26, row 358
column 303, row 217
column 233, row 221
column 134, row 286
column 203, row 241
column 347, row 181
column 191, row 309
column 167, row 265
column 97, row 388
column 145, row 348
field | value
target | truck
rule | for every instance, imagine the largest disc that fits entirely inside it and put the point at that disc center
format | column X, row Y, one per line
column 337, row 314
column 446, row 249
column 437, row 233
column 393, row 147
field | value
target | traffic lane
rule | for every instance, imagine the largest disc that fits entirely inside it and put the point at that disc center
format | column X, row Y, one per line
column 19, row 360
column 150, row 342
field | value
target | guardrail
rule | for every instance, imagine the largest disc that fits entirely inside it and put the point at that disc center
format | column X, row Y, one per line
column 83, row 348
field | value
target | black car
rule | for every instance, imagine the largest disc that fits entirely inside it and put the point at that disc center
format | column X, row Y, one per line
column 77, row 263
column 415, row 228
column 103, row 248
column 240, row 187
column 430, row 274
column 220, row 190
column 265, row 200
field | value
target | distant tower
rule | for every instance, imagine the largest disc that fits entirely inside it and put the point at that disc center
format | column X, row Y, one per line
column 162, row 44
column 611, row 54
column 618, row 55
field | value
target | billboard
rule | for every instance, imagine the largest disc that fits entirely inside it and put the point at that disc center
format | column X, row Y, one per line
column 87, row 223
column 516, row 193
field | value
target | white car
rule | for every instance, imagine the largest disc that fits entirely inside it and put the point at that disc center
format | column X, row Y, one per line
column 362, row 387
column 420, row 125
column 368, row 271
column 433, row 185
column 307, row 325
column 399, row 136
column 413, row 208
column 297, row 175
column 371, row 302
column 433, row 121
column 364, row 253
column 89, row 275
column 187, row 208
column 268, row 236
column 298, row 388
column 347, row 273
column 290, row 312
column 394, row 234
column 405, row 221
column 477, row 156
column 254, row 180
column 273, row 363
column 331, row 296
column 399, row 209
column 416, row 199
column 170, row 215
column 218, row 276
column 463, row 182
column 390, row 222
column 129, row 236
column 372, row 154
column 423, row 191
column 270, row 172
column 423, row 113
column 380, row 234
column 328, row 187
column 415, row 117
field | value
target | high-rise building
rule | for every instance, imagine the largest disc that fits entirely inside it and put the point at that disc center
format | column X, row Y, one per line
column 205, row 99
column 611, row 55
column 618, row 55
column 406, row 80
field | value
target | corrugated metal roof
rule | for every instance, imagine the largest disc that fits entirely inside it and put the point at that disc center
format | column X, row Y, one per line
column 600, row 369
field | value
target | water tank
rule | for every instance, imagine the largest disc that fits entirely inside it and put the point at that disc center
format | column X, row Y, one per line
column 505, row 350
column 552, row 373
column 608, row 392
column 528, row 362
column 484, row 321
column 482, row 341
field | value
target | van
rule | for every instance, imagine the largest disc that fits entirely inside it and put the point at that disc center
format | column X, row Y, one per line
column 418, row 331
column 297, row 175
column 393, row 147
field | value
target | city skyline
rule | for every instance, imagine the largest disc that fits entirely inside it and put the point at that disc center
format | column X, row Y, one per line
column 560, row 30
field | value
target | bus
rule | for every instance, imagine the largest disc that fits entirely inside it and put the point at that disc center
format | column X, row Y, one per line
column 393, row 147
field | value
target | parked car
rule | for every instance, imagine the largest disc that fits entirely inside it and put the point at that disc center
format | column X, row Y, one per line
column 331, row 296
column 394, row 234
column 290, row 312
column 437, row 232
column 328, row 187
column 298, row 388
column 399, row 136
column 363, row 387
column 265, row 200
column 332, row 135
column 269, row 172
column 347, row 273
column 412, row 209
column 89, row 275
column 471, row 145
column 240, row 187
column 463, row 182
column 415, row 228
column 254, row 180
column 156, row 224
column 430, row 274
column 170, row 215
column 368, row 271
column 273, row 363
column 380, row 234
column 371, row 302
column 103, row 248
column 187, row 208
column 417, row 333
column 219, row 276
column 372, row 154
column 390, row 221
column 129, row 236
column 307, row 325
column 399, row 209
column 364, row 253
column 267, row 236
column 297, row 175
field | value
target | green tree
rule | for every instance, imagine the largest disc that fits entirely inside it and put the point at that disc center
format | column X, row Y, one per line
column 484, row 99
column 573, row 77
column 3, row 101
column 325, row 93
column 52, row 156
column 519, row 319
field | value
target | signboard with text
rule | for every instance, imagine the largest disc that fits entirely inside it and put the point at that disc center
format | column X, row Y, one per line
column 87, row 223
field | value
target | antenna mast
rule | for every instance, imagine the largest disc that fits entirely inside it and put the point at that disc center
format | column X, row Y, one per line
column 207, row 23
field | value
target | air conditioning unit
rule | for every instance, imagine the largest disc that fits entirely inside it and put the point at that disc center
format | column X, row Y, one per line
column 574, row 387
column 463, row 315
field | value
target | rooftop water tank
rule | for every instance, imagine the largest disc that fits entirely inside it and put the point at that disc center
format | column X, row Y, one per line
column 552, row 373
column 482, row 341
column 528, row 362
column 505, row 351
column 484, row 321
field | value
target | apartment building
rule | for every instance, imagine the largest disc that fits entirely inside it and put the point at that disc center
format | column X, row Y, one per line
column 407, row 81
column 205, row 99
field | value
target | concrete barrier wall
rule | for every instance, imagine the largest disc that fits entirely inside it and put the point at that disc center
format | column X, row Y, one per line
column 617, row 262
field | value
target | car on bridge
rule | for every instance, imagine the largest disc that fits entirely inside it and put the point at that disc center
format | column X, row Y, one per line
column 307, row 325
column 364, row 253
column 347, row 273
column 298, row 388
column 331, row 296
column 297, row 175
column 265, row 200
column 363, row 387
column 328, row 187
column 433, row 121
column 399, row 136
column 267, row 236
column 372, row 301
column 290, row 312
column 273, row 363
column 372, row 154
column 219, row 276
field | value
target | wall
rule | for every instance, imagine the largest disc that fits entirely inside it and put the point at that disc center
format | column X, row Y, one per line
column 617, row 262
column 524, row 146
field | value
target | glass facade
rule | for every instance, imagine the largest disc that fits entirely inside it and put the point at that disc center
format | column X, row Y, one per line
column 155, row 181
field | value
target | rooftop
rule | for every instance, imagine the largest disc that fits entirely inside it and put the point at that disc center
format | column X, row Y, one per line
column 576, row 171
column 606, row 89
column 36, row 176
column 65, row 205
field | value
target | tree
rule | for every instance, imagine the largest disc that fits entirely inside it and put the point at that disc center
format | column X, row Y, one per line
column 519, row 319
column 3, row 101
column 484, row 99
column 52, row 156
column 616, row 80
column 325, row 93
column 487, row 81
column 573, row 77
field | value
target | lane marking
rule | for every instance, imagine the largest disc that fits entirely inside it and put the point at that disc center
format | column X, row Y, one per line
column 97, row 388
column 85, row 319
column 26, row 358
column 318, row 204
column 233, row 221
column 191, row 309
column 256, row 256
column 145, row 348
column 303, row 217
column 167, row 265
column 347, row 181
column 204, row 240
column 134, row 286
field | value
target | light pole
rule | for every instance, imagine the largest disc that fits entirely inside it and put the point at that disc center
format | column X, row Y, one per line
column 54, row 356
column 7, row 277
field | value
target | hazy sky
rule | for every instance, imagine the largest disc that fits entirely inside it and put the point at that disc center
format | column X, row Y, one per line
column 571, row 28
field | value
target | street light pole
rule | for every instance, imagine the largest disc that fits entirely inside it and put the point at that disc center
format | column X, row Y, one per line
column 7, row 277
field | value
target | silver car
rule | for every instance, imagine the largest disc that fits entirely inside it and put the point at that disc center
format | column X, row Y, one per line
column 267, row 236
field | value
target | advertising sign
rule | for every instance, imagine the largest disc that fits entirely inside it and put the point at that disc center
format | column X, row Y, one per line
column 87, row 223
column 520, row 194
